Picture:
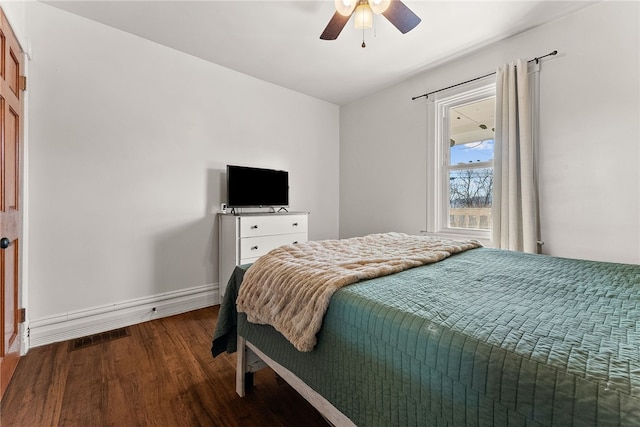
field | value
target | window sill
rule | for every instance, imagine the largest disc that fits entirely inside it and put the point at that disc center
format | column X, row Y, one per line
column 481, row 237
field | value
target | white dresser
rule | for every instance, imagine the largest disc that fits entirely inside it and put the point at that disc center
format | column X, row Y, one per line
column 246, row 237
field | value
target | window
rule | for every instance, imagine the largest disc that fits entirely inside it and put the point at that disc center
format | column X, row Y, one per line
column 469, row 168
column 460, row 179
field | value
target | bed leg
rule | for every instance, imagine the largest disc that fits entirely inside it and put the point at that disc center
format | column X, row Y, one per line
column 248, row 362
column 241, row 367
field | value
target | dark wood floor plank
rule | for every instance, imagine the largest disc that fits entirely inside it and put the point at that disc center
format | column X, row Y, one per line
column 162, row 374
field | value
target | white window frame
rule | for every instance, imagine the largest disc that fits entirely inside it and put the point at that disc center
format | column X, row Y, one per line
column 438, row 151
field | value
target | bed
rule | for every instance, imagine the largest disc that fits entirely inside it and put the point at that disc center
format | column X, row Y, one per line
column 482, row 337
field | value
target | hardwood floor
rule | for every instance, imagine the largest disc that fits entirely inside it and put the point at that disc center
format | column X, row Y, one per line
column 162, row 374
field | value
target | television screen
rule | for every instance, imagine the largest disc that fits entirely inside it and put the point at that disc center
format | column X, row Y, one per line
column 255, row 187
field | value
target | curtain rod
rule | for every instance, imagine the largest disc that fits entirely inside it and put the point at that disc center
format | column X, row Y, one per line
column 426, row 95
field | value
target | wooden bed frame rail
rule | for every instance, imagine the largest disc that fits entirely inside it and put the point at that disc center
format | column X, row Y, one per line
column 250, row 360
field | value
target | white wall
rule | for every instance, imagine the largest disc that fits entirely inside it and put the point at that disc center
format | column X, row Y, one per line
column 589, row 137
column 129, row 141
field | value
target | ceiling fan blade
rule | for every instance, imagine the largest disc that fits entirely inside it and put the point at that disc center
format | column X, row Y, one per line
column 401, row 16
column 335, row 26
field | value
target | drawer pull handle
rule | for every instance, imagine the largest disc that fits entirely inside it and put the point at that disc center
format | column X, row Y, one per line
column 295, row 224
column 253, row 248
column 254, row 227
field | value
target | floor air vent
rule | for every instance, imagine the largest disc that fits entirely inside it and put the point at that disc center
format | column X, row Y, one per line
column 90, row 340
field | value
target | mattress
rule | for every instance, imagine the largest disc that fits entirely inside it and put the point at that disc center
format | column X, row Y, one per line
column 485, row 337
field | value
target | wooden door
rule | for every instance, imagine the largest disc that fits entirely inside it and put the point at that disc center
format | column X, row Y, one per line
column 11, row 131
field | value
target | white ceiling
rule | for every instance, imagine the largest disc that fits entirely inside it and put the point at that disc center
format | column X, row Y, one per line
column 278, row 41
column 467, row 120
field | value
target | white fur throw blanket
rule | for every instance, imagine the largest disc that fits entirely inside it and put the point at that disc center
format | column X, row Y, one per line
column 291, row 286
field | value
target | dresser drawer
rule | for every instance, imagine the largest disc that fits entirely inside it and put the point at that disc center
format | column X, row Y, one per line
column 273, row 224
column 254, row 247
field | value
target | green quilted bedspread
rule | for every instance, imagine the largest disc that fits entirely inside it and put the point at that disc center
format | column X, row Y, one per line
column 483, row 338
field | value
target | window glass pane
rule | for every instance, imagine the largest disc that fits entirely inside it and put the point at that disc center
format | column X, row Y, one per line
column 471, row 132
column 470, row 197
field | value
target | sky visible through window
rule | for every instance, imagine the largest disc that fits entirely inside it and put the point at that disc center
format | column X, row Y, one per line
column 473, row 152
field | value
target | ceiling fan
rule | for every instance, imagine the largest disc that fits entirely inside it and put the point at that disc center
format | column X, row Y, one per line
column 394, row 10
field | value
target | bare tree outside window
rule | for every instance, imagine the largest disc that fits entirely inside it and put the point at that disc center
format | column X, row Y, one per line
column 470, row 197
column 471, row 188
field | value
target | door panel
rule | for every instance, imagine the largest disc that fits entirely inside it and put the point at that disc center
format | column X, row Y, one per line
column 11, row 154
column 11, row 331
column 11, row 149
column 13, row 71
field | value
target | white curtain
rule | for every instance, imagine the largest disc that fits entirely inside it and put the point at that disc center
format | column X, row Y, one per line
column 515, row 195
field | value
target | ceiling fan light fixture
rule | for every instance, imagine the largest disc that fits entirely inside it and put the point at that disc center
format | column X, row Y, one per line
column 363, row 16
column 379, row 6
column 395, row 11
column 345, row 7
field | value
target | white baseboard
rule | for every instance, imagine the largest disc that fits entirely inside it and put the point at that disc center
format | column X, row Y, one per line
column 81, row 323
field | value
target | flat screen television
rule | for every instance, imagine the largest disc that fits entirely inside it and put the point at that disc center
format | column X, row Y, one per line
column 256, row 187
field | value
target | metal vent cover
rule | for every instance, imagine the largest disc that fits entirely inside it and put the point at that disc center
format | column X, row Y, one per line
column 100, row 338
